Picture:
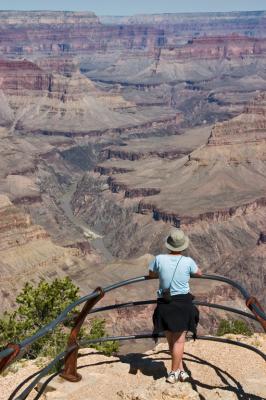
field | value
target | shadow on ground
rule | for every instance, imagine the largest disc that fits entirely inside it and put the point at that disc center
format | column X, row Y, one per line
column 157, row 369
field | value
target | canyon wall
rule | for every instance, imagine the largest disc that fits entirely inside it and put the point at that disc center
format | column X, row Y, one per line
column 27, row 252
column 249, row 127
column 83, row 32
column 157, row 120
column 20, row 76
column 137, row 68
column 217, row 195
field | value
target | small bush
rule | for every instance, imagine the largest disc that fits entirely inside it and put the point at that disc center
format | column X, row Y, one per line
column 37, row 306
column 98, row 331
column 234, row 326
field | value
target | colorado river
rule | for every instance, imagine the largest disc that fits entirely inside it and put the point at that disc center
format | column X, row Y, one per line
column 97, row 241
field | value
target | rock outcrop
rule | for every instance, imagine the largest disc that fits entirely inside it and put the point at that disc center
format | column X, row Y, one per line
column 217, row 194
column 195, row 23
column 127, row 155
column 239, row 142
column 66, row 104
column 72, row 31
column 249, row 127
column 218, row 373
column 36, row 18
column 28, row 253
column 20, row 76
column 208, row 48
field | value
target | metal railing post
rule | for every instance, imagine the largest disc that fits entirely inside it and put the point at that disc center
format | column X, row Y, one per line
column 70, row 363
column 70, row 355
column 4, row 362
column 249, row 303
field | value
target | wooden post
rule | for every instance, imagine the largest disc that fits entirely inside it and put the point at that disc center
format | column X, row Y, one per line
column 252, row 300
column 4, row 362
column 70, row 363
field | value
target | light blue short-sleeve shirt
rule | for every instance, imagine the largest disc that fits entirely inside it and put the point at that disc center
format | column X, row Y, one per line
column 164, row 265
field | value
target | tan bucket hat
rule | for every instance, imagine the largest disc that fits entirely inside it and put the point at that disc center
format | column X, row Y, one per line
column 177, row 240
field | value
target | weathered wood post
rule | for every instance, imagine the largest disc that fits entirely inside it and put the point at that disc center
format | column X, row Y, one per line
column 70, row 363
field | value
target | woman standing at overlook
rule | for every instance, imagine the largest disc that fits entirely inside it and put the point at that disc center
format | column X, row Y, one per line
column 175, row 313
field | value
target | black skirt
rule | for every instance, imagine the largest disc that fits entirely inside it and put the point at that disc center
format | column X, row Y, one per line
column 177, row 315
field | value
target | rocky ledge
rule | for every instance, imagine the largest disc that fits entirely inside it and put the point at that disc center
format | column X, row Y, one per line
column 123, row 154
column 210, row 216
column 36, row 18
column 28, row 253
column 248, row 127
column 116, row 187
column 218, row 373
column 19, row 76
column 68, row 103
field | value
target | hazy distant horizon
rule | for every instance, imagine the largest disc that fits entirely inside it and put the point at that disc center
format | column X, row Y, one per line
column 127, row 7
column 129, row 15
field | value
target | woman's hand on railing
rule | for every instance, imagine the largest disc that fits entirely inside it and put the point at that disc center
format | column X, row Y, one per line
column 152, row 275
column 198, row 273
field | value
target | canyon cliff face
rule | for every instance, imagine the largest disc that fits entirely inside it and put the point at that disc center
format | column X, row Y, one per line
column 217, row 193
column 247, row 128
column 84, row 32
column 50, row 103
column 27, row 253
column 233, row 153
column 114, row 129
column 173, row 61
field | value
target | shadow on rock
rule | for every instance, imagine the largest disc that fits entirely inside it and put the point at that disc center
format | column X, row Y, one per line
column 147, row 366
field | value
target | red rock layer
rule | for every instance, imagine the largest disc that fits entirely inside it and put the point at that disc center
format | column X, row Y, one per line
column 248, row 127
column 217, row 47
column 23, row 75
column 65, row 33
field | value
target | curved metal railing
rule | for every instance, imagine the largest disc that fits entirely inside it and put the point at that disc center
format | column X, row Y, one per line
column 15, row 350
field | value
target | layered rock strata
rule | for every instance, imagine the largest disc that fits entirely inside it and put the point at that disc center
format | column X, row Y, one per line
column 217, row 193
column 154, row 78
column 82, row 32
column 49, row 103
column 26, row 251
column 215, row 51
column 239, row 142
column 249, row 127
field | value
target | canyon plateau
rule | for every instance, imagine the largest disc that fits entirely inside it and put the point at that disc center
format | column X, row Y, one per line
column 115, row 129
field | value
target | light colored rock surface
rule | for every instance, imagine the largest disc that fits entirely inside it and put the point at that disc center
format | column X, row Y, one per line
column 22, row 186
column 73, row 104
column 219, row 371
column 15, row 374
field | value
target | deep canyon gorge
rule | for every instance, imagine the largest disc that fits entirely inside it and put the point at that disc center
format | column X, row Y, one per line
column 114, row 129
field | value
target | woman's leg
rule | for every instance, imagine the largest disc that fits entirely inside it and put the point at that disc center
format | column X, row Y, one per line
column 178, row 343
column 169, row 337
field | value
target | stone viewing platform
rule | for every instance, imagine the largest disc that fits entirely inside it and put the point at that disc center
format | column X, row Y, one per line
column 218, row 372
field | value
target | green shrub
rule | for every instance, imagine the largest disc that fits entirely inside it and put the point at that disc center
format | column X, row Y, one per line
column 234, row 326
column 98, row 331
column 37, row 306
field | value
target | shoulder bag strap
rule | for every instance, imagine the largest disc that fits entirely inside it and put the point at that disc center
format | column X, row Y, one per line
column 175, row 272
